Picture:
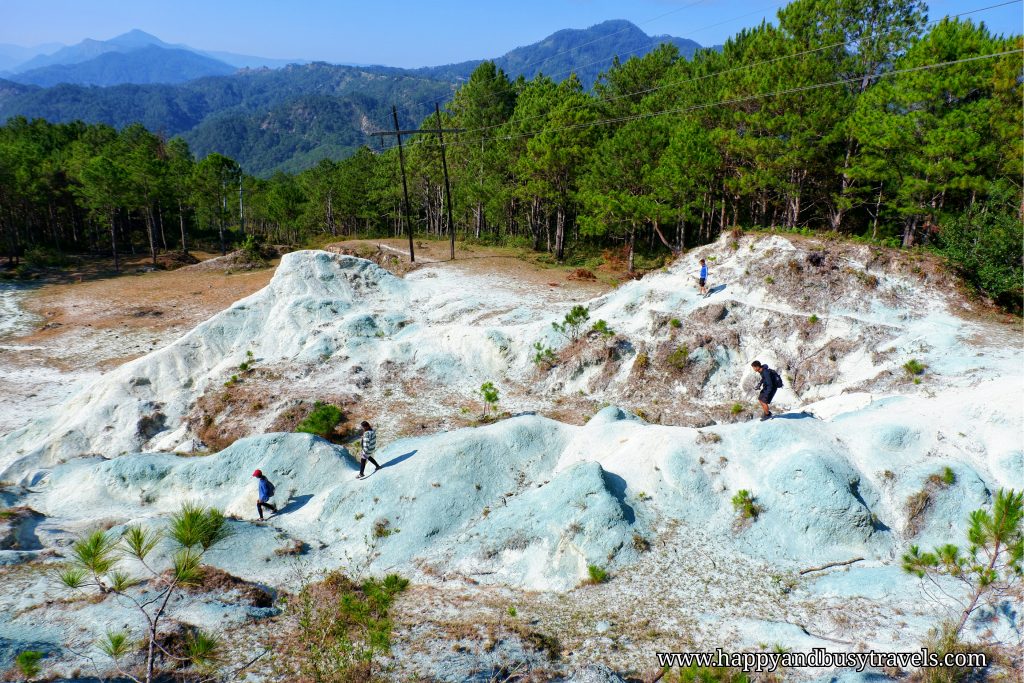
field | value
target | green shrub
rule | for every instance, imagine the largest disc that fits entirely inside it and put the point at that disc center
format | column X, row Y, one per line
column 490, row 395
column 676, row 323
column 984, row 246
column 990, row 564
column 45, row 257
column 543, row 355
column 769, row 280
column 340, row 629
column 743, row 503
column 573, row 323
column 914, row 367
column 382, row 529
column 231, row 382
column 601, row 327
column 321, row 421
column 27, row 662
column 642, row 360
column 813, row 320
column 736, row 409
column 679, row 357
column 252, row 251
column 596, row 574
column 512, row 611
column 944, row 479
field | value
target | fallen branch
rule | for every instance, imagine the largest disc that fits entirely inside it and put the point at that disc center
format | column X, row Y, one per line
column 818, row 635
column 829, row 565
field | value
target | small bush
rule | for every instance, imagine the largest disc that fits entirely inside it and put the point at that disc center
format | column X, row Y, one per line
column 601, row 327
column 252, row 251
column 543, row 355
column 572, row 324
column 736, row 409
column 769, row 280
column 916, row 506
column 321, row 421
column 512, row 611
column 27, row 662
column 813, row 320
column 743, row 503
column 641, row 544
column 708, row 437
column 943, row 479
column 231, row 382
column 596, row 574
column 44, row 257
column 642, row 361
column 490, row 395
column 679, row 357
column 382, row 529
column 914, row 367
column 676, row 323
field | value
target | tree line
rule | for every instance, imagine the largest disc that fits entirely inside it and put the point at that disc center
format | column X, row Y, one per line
column 857, row 117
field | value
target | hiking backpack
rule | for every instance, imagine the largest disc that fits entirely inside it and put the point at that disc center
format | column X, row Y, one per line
column 776, row 378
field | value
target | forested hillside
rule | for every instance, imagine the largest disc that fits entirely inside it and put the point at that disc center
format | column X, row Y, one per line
column 285, row 119
column 881, row 127
column 585, row 52
column 268, row 119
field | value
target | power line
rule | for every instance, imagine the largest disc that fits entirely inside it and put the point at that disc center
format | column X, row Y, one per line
column 707, row 76
column 738, row 68
column 738, row 100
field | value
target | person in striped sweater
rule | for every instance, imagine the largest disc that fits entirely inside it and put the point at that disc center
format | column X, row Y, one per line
column 369, row 443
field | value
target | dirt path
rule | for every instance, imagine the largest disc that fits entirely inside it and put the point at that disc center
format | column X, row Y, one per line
column 481, row 260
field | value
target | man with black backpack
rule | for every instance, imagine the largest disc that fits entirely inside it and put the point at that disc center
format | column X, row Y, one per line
column 769, row 383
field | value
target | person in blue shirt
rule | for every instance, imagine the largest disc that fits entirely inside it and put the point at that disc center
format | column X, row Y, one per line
column 266, row 492
column 703, row 281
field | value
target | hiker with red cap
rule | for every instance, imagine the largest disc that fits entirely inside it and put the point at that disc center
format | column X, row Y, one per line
column 266, row 492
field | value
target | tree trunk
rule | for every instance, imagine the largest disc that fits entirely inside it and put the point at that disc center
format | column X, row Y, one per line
column 148, row 217
column 878, row 210
column 657, row 231
column 160, row 222
column 560, row 234
column 113, row 240
column 181, row 222
column 632, row 244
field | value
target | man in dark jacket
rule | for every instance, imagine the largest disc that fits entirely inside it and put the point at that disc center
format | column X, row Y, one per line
column 265, row 493
column 767, row 387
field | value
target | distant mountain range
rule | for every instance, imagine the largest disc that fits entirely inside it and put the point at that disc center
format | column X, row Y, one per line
column 47, row 65
column 285, row 118
column 587, row 52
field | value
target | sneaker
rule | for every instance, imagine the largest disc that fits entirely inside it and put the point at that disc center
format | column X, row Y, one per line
column 360, row 476
column 766, row 417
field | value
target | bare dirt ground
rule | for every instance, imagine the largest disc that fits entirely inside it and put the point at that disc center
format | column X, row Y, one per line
column 81, row 322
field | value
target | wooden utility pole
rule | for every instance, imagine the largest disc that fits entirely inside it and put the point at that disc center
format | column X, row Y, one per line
column 401, row 162
column 447, row 186
column 405, row 187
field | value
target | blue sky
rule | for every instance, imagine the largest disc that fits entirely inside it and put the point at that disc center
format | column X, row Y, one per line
column 403, row 33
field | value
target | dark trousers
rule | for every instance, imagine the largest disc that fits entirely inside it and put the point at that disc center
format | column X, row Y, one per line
column 265, row 504
column 362, row 464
